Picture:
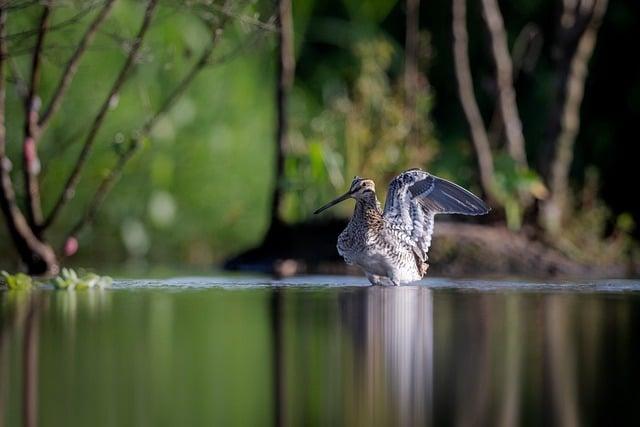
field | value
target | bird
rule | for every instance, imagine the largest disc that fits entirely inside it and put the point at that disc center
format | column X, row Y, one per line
column 390, row 245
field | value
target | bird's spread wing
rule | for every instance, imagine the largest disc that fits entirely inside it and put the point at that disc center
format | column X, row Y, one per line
column 415, row 197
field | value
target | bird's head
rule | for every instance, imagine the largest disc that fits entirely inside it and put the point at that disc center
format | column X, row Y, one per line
column 360, row 188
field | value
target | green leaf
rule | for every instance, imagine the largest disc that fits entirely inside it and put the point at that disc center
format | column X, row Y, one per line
column 18, row 281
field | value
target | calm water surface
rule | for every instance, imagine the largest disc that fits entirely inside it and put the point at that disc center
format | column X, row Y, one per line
column 321, row 351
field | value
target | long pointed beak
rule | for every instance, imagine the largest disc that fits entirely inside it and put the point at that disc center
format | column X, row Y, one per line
column 345, row 196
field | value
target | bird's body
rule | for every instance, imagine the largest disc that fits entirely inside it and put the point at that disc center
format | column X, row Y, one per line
column 391, row 245
column 378, row 246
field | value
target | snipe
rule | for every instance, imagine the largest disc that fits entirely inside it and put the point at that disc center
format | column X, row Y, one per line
column 391, row 245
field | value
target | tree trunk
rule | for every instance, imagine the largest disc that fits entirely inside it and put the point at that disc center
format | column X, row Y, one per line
column 285, row 76
column 468, row 100
column 578, row 34
column 38, row 256
column 411, row 84
column 504, row 79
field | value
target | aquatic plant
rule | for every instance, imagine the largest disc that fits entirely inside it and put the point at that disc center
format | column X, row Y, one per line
column 70, row 280
column 17, row 282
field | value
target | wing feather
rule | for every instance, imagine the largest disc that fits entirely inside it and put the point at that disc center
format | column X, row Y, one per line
column 441, row 196
column 413, row 200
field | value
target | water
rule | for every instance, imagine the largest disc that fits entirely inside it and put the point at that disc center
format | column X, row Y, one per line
column 321, row 351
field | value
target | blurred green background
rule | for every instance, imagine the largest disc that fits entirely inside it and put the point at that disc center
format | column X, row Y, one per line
column 199, row 190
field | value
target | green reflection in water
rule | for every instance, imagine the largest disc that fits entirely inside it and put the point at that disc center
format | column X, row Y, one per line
column 317, row 356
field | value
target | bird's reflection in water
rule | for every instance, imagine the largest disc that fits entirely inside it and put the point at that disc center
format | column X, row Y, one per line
column 374, row 365
column 392, row 371
column 418, row 356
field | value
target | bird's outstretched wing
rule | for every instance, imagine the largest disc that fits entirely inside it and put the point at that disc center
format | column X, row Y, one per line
column 415, row 197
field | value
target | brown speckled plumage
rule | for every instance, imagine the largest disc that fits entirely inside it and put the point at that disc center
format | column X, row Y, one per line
column 391, row 246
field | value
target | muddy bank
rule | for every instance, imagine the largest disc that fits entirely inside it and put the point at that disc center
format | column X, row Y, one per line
column 458, row 250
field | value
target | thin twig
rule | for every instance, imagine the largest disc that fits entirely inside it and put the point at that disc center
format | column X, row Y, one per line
column 112, row 177
column 22, row 35
column 227, row 56
column 504, row 79
column 68, row 191
column 245, row 19
column 104, row 188
column 31, row 163
column 72, row 66
column 20, row 82
column 468, row 99
column 22, row 5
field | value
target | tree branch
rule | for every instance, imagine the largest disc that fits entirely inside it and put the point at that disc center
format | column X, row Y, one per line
column 31, row 163
column 245, row 19
column 19, row 5
column 68, row 191
column 525, row 54
column 112, row 177
column 504, row 78
column 72, row 66
column 565, row 118
column 25, row 34
column 38, row 256
column 104, row 188
column 468, row 99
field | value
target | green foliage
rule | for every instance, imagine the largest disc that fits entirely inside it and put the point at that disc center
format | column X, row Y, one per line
column 593, row 235
column 198, row 189
column 364, row 130
column 200, row 162
column 514, row 188
column 369, row 11
column 70, row 280
column 17, row 282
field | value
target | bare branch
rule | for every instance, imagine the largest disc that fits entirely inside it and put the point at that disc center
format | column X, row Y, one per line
column 525, row 53
column 504, row 78
column 565, row 119
column 31, row 163
column 104, row 188
column 72, row 66
column 20, row 5
column 245, row 19
column 22, row 35
column 72, row 181
column 19, row 81
column 468, row 99
column 38, row 255
column 112, row 177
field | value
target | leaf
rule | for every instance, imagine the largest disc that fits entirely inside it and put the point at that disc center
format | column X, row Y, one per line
column 18, row 281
